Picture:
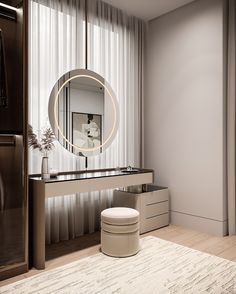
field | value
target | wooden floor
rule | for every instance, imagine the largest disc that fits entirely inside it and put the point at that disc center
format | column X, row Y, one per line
column 68, row 251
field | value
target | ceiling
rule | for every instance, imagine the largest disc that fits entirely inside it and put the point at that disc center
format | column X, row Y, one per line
column 147, row 9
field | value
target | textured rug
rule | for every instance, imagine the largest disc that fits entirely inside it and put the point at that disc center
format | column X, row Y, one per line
column 160, row 267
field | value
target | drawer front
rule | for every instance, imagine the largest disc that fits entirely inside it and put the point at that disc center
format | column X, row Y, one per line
column 156, row 196
column 154, row 223
column 152, row 210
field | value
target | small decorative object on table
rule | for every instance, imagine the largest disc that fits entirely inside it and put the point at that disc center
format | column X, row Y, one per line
column 45, row 145
column 53, row 173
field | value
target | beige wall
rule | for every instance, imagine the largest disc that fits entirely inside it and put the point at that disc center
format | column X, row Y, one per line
column 184, row 112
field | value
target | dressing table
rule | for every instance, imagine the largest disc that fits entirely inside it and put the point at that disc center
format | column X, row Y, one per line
column 70, row 183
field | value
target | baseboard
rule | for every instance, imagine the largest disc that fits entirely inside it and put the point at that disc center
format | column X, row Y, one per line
column 202, row 224
column 13, row 271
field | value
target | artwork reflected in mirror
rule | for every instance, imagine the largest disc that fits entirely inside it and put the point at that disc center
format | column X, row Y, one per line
column 83, row 112
column 87, row 131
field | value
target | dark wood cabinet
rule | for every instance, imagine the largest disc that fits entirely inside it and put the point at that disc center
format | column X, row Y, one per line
column 13, row 145
column 11, row 115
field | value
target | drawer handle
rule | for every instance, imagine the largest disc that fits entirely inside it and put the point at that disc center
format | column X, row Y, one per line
column 157, row 215
column 156, row 202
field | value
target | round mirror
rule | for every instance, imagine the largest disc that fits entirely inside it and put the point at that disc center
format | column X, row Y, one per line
column 83, row 112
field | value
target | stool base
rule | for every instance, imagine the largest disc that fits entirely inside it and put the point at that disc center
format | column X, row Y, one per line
column 120, row 245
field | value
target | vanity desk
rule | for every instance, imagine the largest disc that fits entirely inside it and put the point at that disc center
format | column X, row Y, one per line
column 68, row 183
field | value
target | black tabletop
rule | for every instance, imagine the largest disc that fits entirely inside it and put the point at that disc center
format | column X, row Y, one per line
column 90, row 174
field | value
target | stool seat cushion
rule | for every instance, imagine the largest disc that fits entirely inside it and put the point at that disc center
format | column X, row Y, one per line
column 120, row 216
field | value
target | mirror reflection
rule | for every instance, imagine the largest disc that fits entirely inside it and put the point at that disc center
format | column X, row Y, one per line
column 83, row 112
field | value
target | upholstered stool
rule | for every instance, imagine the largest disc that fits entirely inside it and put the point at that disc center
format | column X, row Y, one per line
column 120, row 231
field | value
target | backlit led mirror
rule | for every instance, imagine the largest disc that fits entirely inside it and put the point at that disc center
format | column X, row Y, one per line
column 83, row 112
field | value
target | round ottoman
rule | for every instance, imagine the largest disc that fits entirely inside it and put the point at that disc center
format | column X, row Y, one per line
column 120, row 231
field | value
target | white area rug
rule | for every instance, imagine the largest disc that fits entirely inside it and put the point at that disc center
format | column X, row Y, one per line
column 160, row 267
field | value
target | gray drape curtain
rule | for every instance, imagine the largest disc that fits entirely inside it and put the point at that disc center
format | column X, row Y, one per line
column 57, row 45
column 231, row 126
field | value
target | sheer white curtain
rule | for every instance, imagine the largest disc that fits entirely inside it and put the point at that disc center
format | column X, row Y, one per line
column 115, row 50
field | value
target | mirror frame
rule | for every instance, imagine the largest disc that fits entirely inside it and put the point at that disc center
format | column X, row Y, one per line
column 53, row 106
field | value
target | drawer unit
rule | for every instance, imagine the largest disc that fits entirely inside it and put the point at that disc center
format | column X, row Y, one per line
column 153, row 206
